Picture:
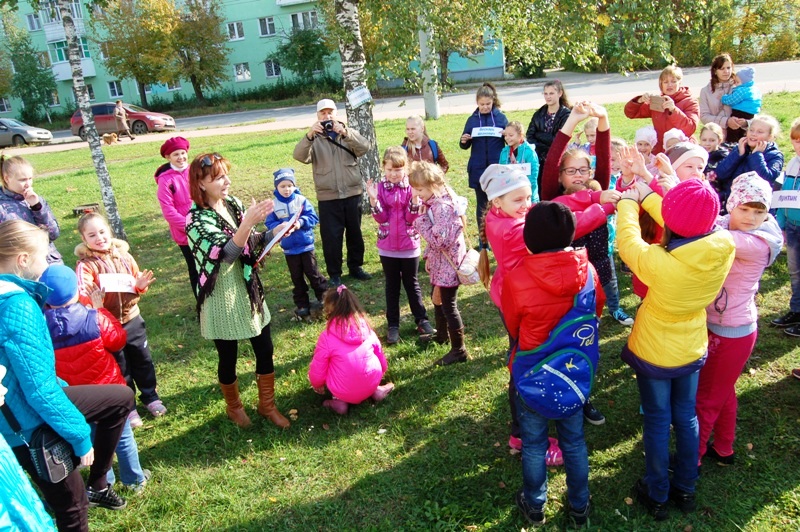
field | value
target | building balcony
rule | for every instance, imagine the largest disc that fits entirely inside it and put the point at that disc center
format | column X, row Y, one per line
column 283, row 3
column 63, row 72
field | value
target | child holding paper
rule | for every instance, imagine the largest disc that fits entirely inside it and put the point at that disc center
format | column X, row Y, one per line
column 298, row 247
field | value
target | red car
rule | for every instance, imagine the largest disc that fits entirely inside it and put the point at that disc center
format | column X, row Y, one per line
column 141, row 121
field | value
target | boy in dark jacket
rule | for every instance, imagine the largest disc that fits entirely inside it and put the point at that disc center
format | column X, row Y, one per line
column 298, row 247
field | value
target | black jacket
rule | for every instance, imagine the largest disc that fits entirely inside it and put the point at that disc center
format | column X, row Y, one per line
column 543, row 139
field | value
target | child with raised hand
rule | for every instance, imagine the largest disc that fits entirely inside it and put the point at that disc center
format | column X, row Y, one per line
column 84, row 340
column 348, row 358
column 536, row 296
column 420, row 147
column 733, row 316
column 668, row 343
column 441, row 223
column 395, row 206
column 298, row 247
column 172, row 179
column 757, row 152
column 789, row 221
column 105, row 263
column 518, row 151
column 483, row 133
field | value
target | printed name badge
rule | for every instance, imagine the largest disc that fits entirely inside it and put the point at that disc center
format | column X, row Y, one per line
column 118, row 282
column 487, row 131
column 789, row 199
column 525, row 167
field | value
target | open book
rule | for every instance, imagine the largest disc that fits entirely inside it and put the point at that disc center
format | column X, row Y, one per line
column 280, row 234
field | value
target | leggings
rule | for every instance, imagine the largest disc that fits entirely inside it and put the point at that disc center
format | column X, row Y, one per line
column 450, row 307
column 228, row 351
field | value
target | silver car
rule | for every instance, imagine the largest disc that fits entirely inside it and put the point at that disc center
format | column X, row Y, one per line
column 16, row 133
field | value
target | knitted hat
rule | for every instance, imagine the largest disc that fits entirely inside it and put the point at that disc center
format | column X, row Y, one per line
column 647, row 134
column 500, row 179
column 548, row 226
column 749, row 188
column 746, row 74
column 284, row 174
column 326, row 104
column 683, row 151
column 674, row 133
column 62, row 282
column 690, row 208
column 174, row 144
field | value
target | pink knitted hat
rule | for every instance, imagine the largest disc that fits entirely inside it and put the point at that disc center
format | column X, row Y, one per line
column 691, row 208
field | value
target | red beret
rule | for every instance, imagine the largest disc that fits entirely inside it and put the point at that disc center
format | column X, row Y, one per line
column 175, row 143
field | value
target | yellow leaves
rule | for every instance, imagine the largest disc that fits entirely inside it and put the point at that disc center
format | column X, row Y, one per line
column 604, row 20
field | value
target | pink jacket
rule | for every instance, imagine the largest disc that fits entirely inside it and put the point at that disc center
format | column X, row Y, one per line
column 395, row 219
column 349, row 360
column 443, row 230
column 504, row 234
column 585, row 205
column 173, row 194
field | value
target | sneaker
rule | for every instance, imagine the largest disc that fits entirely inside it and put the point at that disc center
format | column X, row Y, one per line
column 106, row 498
column 657, row 509
column 138, row 488
column 302, row 312
column 134, row 419
column 337, row 405
column 425, row 330
column 334, row 281
column 721, row 460
column 579, row 517
column 515, row 442
column 793, row 330
column 796, row 373
column 157, row 408
column 535, row 516
column 790, row 318
column 622, row 317
column 360, row 274
column 382, row 391
column 624, row 268
column 393, row 335
column 685, row 502
column 593, row 415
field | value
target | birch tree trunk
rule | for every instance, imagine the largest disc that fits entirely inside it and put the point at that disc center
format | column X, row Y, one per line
column 351, row 51
column 98, row 158
column 430, row 79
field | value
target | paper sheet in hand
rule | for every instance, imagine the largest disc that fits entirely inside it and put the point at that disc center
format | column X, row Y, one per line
column 280, row 234
column 118, row 282
column 786, row 199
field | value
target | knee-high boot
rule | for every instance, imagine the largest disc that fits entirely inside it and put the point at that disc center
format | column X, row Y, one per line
column 457, row 353
column 233, row 404
column 266, row 400
column 441, row 325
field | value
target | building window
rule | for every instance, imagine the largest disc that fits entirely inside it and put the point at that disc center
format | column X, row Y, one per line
column 54, row 99
column 34, row 22
column 148, row 88
column 267, row 26
column 304, row 21
column 115, row 89
column 90, row 91
column 44, row 59
column 5, row 105
column 102, row 50
column 59, row 53
column 235, row 31
column 273, row 68
column 174, row 86
column 49, row 12
column 242, row 71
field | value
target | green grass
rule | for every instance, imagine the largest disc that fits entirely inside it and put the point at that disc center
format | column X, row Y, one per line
column 442, row 462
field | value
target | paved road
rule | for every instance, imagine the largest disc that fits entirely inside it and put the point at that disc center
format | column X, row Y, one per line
column 515, row 95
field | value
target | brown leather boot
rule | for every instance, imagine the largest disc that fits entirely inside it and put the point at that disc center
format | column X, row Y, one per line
column 441, row 325
column 266, row 400
column 457, row 353
column 233, row 404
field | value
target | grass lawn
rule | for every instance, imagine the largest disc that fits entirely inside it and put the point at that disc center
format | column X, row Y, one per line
column 434, row 454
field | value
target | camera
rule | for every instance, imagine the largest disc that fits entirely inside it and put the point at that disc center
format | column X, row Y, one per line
column 327, row 124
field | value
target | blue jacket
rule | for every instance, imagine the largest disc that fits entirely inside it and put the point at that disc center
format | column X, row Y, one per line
column 301, row 240
column 745, row 97
column 525, row 154
column 20, row 506
column 485, row 150
column 34, row 392
column 768, row 165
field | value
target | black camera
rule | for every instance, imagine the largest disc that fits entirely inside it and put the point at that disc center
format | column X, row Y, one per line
column 327, row 124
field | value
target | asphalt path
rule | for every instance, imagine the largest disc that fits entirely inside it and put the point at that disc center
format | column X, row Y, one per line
column 515, row 95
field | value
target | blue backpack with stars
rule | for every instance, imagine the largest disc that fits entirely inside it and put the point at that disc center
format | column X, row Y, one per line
column 555, row 379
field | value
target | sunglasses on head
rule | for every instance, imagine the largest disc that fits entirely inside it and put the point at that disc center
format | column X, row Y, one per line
column 208, row 160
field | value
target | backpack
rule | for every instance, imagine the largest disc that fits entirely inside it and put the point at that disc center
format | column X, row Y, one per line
column 555, row 379
column 434, row 149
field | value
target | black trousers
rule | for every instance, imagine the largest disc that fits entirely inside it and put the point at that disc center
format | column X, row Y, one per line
column 341, row 220
column 192, row 267
column 228, row 352
column 450, row 307
column 107, row 405
column 136, row 362
column 403, row 271
column 302, row 266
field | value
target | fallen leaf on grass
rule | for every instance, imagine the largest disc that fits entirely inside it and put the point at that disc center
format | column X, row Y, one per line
column 513, row 452
column 497, row 444
column 752, row 371
column 273, row 499
column 359, row 453
column 687, row 528
column 180, row 346
column 381, row 431
column 470, row 527
column 293, row 411
column 619, row 514
column 501, row 484
column 749, row 446
column 325, row 426
column 628, row 501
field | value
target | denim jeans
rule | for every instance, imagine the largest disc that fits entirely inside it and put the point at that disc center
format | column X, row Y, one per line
column 130, row 470
column 533, row 429
column 611, row 288
column 665, row 402
column 793, row 260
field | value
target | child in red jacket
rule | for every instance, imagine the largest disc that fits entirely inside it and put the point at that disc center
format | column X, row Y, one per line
column 84, row 339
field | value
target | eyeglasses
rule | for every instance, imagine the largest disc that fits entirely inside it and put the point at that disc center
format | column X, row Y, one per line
column 208, row 160
column 573, row 171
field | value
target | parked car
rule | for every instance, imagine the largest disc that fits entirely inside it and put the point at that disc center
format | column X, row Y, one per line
column 16, row 133
column 141, row 121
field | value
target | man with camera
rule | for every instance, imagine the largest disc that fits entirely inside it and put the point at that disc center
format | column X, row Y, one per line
column 333, row 150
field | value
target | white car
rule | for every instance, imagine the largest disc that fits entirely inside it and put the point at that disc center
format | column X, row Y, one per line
column 16, row 133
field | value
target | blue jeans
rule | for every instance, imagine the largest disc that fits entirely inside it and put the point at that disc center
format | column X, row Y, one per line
column 533, row 429
column 611, row 288
column 665, row 402
column 793, row 260
column 130, row 470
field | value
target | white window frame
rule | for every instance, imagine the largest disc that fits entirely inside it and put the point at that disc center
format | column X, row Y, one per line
column 236, row 31
column 148, row 88
column 174, row 86
column 115, row 89
column 305, row 20
column 267, row 23
column 48, row 8
column 55, row 100
column 59, row 51
column 5, row 105
column 90, row 92
column 245, row 74
column 272, row 68
column 34, row 22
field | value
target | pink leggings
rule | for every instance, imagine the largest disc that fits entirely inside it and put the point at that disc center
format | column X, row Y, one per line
column 716, row 391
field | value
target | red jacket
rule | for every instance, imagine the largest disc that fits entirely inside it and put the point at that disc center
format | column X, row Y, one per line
column 684, row 117
column 540, row 291
column 84, row 340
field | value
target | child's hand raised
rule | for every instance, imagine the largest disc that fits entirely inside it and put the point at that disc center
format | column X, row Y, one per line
column 609, row 196
column 372, row 190
column 580, row 111
column 97, row 296
column 595, row 110
column 144, row 279
column 631, row 193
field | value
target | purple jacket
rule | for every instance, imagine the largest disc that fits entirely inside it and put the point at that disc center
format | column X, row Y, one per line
column 443, row 230
column 395, row 217
column 14, row 207
column 349, row 360
column 173, row 195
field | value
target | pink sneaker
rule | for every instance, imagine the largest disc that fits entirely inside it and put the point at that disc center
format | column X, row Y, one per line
column 134, row 419
column 381, row 392
column 515, row 443
column 553, row 456
column 157, row 408
column 337, row 405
